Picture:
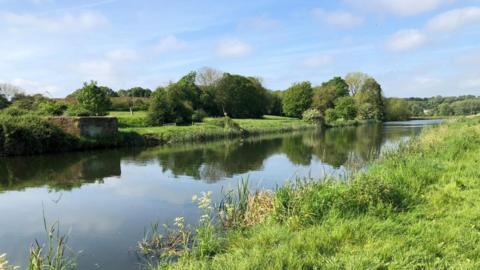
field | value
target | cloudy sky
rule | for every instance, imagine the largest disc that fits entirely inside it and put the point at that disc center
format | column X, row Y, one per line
column 412, row 47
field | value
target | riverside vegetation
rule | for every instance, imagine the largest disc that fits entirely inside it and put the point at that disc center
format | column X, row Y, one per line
column 204, row 105
column 415, row 208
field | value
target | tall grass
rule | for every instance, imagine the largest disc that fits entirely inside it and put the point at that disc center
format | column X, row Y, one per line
column 416, row 208
column 54, row 254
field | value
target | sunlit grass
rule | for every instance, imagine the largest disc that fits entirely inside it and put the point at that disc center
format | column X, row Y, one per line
column 416, row 208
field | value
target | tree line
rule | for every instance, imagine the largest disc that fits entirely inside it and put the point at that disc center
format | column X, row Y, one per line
column 209, row 92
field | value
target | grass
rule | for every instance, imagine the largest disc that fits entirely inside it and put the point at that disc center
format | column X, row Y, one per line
column 212, row 128
column 416, row 208
column 125, row 119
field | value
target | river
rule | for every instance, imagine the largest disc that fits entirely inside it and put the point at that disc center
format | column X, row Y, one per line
column 104, row 200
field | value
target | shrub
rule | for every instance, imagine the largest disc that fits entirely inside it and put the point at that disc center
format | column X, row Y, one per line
column 77, row 110
column 312, row 116
column 159, row 111
column 27, row 134
column 93, row 99
column 14, row 111
column 199, row 115
column 51, row 108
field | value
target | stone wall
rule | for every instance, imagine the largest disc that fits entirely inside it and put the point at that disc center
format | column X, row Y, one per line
column 87, row 126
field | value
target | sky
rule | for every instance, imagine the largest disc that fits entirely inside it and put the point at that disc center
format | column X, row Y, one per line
column 412, row 47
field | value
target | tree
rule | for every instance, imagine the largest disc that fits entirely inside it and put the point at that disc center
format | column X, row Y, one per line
column 324, row 96
column 397, row 109
column 108, row 91
column 208, row 76
column 3, row 101
column 10, row 90
column 445, row 110
column 241, row 97
column 159, row 111
column 297, row 99
column 369, row 100
column 355, row 81
column 93, row 99
column 274, row 99
column 345, row 108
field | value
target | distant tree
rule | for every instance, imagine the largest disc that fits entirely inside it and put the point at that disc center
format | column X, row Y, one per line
column 355, row 81
column 241, row 97
column 369, row 100
column 27, row 102
column 208, row 76
column 274, row 103
column 445, row 110
column 3, row 101
column 159, row 111
column 108, row 91
column 93, row 99
column 397, row 109
column 324, row 96
column 10, row 90
column 135, row 92
column 297, row 99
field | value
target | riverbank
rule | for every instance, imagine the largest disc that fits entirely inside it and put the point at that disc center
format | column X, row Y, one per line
column 30, row 135
column 414, row 208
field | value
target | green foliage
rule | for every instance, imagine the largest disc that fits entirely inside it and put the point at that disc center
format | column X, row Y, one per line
column 77, row 110
column 51, row 107
column 297, row 99
column 274, row 99
column 126, row 103
column 444, row 106
column 93, row 99
column 135, row 92
column 324, row 97
column 241, row 97
column 199, row 115
column 313, row 116
column 14, row 111
column 369, row 101
column 27, row 134
column 397, row 109
column 159, row 111
column 413, row 209
column 3, row 101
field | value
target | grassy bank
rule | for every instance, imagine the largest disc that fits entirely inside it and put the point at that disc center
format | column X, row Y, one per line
column 416, row 208
column 214, row 128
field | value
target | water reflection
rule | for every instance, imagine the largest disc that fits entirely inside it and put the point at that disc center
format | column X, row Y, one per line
column 107, row 198
column 349, row 147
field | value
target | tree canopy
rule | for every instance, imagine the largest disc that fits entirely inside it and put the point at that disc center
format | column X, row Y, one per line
column 297, row 99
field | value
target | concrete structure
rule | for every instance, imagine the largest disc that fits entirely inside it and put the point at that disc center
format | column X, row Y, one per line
column 87, row 126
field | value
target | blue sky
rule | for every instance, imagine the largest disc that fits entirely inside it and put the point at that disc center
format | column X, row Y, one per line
column 412, row 47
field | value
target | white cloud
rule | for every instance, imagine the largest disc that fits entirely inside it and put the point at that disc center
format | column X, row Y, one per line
column 102, row 70
column 317, row 60
column 170, row 43
column 338, row 18
column 233, row 47
column 454, row 19
column 68, row 22
column 401, row 7
column 406, row 40
column 446, row 22
column 123, row 55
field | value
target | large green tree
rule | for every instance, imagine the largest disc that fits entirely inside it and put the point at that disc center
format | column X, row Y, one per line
column 159, row 111
column 369, row 100
column 325, row 95
column 93, row 99
column 241, row 97
column 297, row 99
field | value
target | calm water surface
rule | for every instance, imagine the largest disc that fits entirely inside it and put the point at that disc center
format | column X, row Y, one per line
column 106, row 199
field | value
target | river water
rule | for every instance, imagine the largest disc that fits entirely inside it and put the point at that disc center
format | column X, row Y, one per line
column 104, row 200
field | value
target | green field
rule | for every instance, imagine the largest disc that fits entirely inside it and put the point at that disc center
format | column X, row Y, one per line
column 416, row 208
column 210, row 128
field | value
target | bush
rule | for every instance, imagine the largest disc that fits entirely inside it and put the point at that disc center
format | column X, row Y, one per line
column 14, row 111
column 93, row 99
column 51, row 108
column 159, row 111
column 199, row 115
column 27, row 134
column 313, row 116
column 77, row 110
